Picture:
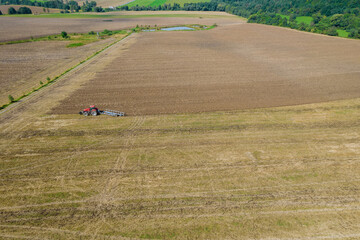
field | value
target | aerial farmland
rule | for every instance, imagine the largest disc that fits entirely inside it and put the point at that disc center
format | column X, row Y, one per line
column 233, row 130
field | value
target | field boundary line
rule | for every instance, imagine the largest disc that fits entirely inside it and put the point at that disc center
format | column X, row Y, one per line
column 29, row 95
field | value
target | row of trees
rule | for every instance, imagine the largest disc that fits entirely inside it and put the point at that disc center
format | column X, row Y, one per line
column 46, row 4
column 67, row 6
column 287, row 7
column 202, row 6
column 22, row 10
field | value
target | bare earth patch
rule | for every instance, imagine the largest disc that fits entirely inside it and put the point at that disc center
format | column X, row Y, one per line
column 228, row 68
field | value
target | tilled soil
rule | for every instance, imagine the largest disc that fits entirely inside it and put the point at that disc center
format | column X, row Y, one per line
column 23, row 66
column 228, row 68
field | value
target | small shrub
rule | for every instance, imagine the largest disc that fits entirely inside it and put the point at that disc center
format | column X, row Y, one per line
column 332, row 32
column 11, row 10
column 91, row 33
column 107, row 32
column 11, row 98
column 24, row 10
column 64, row 35
column 48, row 79
column 41, row 83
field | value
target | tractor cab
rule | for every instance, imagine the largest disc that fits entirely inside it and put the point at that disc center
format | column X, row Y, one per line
column 92, row 110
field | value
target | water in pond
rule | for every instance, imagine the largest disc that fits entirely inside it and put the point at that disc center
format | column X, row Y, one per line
column 177, row 28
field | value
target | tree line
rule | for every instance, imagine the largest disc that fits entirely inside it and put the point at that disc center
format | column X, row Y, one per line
column 319, row 24
column 22, row 10
column 201, row 6
column 67, row 6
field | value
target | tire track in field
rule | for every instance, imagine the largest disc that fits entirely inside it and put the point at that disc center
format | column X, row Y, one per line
column 58, row 230
column 207, row 168
column 104, row 199
column 192, row 194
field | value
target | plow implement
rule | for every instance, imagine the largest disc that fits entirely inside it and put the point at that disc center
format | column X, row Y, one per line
column 113, row 113
column 94, row 111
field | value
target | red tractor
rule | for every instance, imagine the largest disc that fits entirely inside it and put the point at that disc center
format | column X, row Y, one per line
column 92, row 110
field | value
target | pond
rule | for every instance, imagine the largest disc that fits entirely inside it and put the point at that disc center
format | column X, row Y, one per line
column 177, row 28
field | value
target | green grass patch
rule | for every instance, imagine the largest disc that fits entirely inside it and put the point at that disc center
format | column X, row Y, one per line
column 142, row 3
column 284, row 16
column 342, row 33
column 72, row 45
column 301, row 19
column 157, row 3
column 304, row 19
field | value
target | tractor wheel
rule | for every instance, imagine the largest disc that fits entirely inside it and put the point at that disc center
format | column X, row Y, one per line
column 86, row 113
column 94, row 113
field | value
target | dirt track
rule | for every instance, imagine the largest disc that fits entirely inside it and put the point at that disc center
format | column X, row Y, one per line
column 228, row 68
column 15, row 28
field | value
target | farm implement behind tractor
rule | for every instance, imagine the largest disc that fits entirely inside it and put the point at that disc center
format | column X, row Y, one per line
column 94, row 111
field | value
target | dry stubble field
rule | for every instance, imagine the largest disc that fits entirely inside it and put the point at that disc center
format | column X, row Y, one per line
column 275, row 173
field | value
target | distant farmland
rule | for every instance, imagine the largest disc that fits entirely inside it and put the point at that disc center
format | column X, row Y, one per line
column 14, row 28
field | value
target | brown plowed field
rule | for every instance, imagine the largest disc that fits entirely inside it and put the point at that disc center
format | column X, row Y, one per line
column 15, row 28
column 227, row 68
column 23, row 66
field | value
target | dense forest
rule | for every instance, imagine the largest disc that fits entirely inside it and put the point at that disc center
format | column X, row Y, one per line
column 332, row 17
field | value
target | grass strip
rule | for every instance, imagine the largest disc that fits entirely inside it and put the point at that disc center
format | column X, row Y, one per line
column 76, row 38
